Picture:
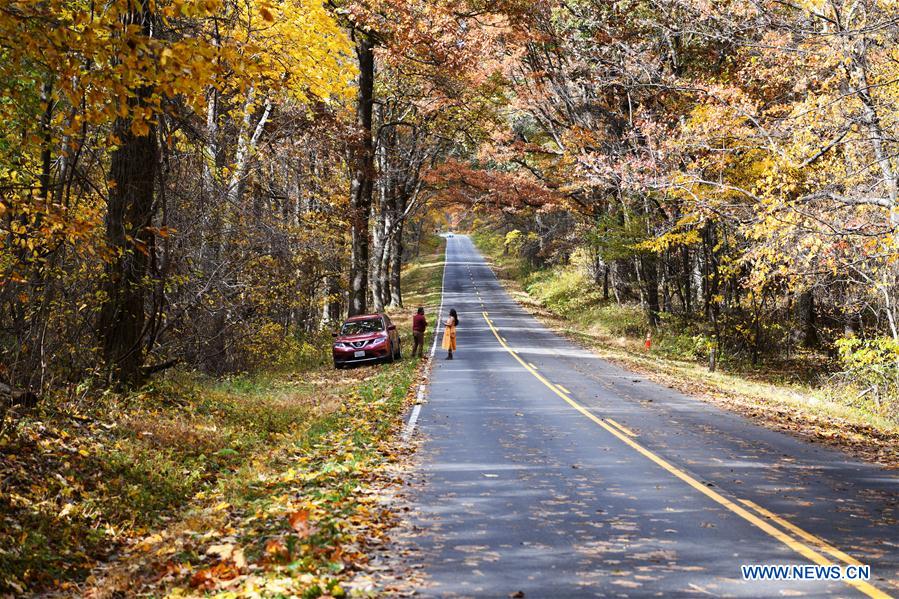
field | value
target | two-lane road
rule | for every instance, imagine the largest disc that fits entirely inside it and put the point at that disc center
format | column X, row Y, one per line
column 550, row 472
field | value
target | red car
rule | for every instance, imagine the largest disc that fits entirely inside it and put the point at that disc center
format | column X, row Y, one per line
column 367, row 338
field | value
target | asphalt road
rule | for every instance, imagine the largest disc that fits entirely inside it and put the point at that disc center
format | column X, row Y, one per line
column 546, row 472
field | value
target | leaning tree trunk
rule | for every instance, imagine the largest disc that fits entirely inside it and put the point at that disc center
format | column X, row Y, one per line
column 130, row 210
column 363, row 174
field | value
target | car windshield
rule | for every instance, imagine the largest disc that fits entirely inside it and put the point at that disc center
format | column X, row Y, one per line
column 361, row 327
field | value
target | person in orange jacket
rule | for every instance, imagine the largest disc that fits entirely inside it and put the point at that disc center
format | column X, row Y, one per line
column 449, row 333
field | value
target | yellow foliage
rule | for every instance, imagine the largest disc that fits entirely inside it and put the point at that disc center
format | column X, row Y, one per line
column 93, row 68
column 293, row 45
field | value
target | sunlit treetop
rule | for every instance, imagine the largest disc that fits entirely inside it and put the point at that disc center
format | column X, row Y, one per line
column 98, row 56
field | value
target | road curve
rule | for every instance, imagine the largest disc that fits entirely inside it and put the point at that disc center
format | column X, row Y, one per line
column 544, row 471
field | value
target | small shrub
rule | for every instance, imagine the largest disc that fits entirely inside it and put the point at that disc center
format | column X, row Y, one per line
column 871, row 367
column 271, row 348
column 512, row 240
column 702, row 345
column 623, row 321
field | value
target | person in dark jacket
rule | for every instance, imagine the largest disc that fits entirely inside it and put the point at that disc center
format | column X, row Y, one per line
column 419, row 325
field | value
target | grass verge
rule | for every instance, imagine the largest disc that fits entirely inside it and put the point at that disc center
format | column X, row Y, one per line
column 249, row 486
column 778, row 399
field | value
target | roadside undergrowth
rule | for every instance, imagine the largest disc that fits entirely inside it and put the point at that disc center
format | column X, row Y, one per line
column 794, row 402
column 296, row 519
column 255, row 485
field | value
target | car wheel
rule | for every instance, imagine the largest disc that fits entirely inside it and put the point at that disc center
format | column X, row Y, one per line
column 391, row 355
column 399, row 351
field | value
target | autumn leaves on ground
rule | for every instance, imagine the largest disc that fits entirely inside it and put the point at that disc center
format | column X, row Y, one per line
column 248, row 484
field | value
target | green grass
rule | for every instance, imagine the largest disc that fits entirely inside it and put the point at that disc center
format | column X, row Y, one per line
column 569, row 293
column 423, row 279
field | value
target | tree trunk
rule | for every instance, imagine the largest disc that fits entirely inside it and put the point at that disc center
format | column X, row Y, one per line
column 650, row 275
column 363, row 174
column 132, row 173
column 687, row 276
column 379, row 245
column 418, row 233
column 332, row 304
column 382, row 227
column 46, row 133
column 384, row 270
column 211, row 150
column 246, row 144
column 615, row 281
column 860, row 81
column 805, row 313
column 396, row 268
column 698, row 286
column 665, row 282
column 605, row 282
column 386, row 257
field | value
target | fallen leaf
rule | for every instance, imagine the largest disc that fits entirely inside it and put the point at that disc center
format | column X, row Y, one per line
column 299, row 522
column 223, row 551
column 208, row 578
column 276, row 550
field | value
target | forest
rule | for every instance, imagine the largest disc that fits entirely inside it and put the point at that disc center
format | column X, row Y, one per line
column 206, row 183
column 192, row 182
column 208, row 187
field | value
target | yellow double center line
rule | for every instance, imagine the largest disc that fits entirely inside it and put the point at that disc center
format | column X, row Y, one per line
column 737, row 509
